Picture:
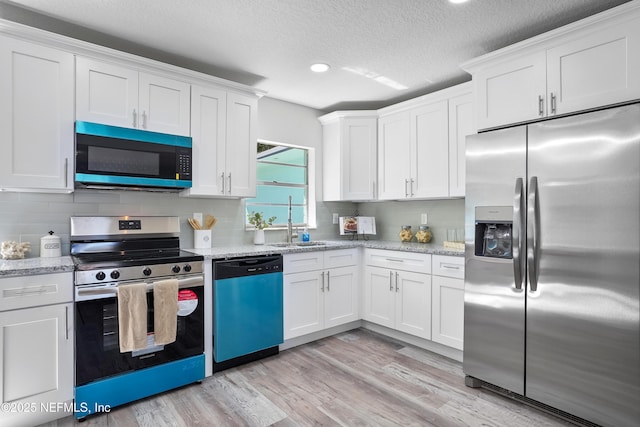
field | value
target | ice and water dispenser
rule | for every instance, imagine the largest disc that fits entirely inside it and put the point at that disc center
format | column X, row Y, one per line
column 493, row 234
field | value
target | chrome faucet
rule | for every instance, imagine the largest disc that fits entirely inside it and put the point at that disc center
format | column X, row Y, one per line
column 290, row 234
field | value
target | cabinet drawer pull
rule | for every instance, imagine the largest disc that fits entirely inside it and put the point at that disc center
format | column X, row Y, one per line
column 394, row 259
column 450, row 267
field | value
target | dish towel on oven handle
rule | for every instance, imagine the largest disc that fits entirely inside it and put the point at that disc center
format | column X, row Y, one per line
column 165, row 311
column 132, row 316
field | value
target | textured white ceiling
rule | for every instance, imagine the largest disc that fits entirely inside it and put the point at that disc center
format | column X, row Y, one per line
column 270, row 44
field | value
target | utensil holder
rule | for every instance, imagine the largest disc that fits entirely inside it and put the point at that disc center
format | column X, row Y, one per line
column 201, row 239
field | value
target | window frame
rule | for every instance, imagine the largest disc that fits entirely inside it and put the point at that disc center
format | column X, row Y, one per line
column 311, row 188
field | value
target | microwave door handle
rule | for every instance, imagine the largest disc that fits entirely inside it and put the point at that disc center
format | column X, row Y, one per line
column 518, row 238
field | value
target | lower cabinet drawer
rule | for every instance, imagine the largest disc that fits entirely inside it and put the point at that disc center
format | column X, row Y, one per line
column 33, row 291
column 397, row 260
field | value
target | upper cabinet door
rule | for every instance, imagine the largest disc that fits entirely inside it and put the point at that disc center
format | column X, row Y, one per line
column 106, row 93
column 164, row 105
column 36, row 117
column 430, row 151
column 358, row 157
column 208, row 130
column 511, row 92
column 598, row 69
column 242, row 122
column 461, row 124
column 394, row 156
column 114, row 95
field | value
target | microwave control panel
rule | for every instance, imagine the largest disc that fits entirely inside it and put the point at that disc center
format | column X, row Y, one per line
column 183, row 163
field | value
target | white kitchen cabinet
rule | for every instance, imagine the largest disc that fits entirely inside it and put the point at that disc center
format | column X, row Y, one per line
column 461, row 125
column 36, row 348
column 36, row 117
column 349, row 155
column 587, row 64
column 223, row 128
column 397, row 291
column 448, row 301
column 394, row 155
column 321, row 290
column 120, row 96
column 242, row 140
column 421, row 146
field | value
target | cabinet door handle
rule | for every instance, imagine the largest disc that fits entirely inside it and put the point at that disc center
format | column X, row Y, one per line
column 144, row 119
column 540, row 105
column 406, row 184
column 396, row 281
column 66, row 172
column 328, row 281
column 322, row 288
column 229, row 176
column 553, row 103
column 391, row 281
column 411, row 187
column 66, row 322
column 135, row 118
column 223, row 183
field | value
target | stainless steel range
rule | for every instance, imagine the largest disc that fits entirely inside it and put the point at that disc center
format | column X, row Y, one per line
column 110, row 253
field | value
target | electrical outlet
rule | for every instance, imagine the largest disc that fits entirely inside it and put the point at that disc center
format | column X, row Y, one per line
column 423, row 218
column 198, row 216
column 335, row 218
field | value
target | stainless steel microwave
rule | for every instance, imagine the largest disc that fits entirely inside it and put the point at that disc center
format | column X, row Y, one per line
column 116, row 157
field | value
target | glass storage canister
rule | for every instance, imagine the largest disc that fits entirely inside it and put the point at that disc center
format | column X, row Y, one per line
column 424, row 234
column 405, row 233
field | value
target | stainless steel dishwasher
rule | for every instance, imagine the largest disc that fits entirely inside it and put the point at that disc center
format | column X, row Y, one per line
column 247, row 310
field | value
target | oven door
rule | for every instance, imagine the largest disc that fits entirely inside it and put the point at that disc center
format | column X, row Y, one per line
column 97, row 341
column 109, row 155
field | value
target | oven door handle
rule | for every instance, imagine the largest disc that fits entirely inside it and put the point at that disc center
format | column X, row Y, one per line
column 187, row 282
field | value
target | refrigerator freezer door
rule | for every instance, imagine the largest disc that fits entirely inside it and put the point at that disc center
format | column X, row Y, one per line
column 494, row 308
column 583, row 336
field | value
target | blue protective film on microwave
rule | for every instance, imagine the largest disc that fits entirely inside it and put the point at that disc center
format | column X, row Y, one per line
column 97, row 129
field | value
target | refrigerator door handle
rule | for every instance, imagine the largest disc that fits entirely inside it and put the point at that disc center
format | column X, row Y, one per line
column 533, row 234
column 518, row 240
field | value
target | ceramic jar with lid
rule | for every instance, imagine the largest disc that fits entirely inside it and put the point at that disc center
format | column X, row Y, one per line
column 50, row 246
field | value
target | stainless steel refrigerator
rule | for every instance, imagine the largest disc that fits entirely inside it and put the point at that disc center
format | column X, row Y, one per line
column 552, row 215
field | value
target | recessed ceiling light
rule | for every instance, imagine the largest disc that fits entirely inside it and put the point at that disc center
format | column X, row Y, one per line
column 319, row 68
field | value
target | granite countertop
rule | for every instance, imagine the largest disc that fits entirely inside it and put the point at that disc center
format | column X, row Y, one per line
column 33, row 266
column 323, row 245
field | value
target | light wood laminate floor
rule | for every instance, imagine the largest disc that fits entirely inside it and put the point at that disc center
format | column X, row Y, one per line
column 357, row 378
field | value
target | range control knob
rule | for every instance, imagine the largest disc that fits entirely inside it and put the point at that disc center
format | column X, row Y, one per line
column 115, row 274
column 100, row 275
column 187, row 268
column 175, row 269
column 146, row 271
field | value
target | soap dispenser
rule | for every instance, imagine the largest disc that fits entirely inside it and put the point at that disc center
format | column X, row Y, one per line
column 305, row 235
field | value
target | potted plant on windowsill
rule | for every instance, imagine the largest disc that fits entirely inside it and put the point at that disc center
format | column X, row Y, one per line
column 260, row 223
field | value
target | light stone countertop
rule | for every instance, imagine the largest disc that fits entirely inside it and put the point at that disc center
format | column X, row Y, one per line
column 323, row 245
column 33, row 266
